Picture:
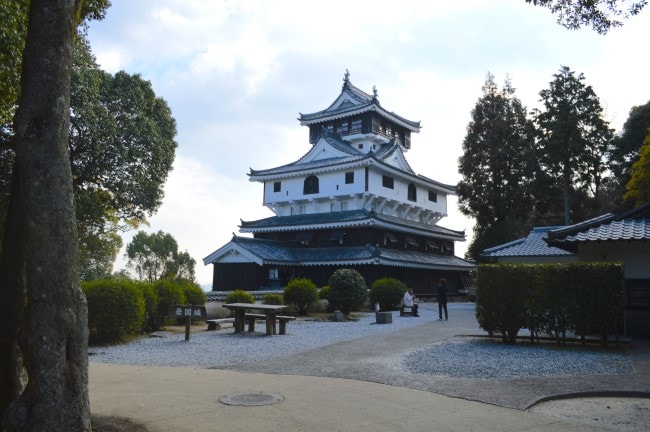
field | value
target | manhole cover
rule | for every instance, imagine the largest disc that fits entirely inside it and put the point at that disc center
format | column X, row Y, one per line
column 252, row 399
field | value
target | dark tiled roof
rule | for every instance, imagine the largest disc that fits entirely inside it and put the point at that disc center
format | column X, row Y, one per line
column 347, row 218
column 531, row 246
column 633, row 225
column 362, row 102
column 277, row 252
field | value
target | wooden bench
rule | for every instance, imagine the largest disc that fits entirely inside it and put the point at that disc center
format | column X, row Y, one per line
column 215, row 324
column 403, row 310
column 283, row 320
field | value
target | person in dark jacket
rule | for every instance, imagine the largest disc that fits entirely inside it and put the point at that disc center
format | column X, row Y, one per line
column 442, row 298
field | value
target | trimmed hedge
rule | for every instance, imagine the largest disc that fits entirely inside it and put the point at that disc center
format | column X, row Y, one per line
column 388, row 292
column 116, row 309
column 239, row 296
column 170, row 293
column 300, row 294
column 273, row 299
column 348, row 290
column 550, row 298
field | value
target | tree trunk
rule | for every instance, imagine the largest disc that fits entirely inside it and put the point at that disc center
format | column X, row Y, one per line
column 567, row 187
column 53, row 338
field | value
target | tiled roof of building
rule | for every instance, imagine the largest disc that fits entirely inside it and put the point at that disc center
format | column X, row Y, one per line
column 279, row 252
column 633, row 225
column 348, row 218
column 531, row 246
column 357, row 101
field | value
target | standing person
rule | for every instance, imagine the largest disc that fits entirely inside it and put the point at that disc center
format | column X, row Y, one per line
column 409, row 301
column 442, row 298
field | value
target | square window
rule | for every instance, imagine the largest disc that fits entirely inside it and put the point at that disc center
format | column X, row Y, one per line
column 433, row 196
column 388, row 182
column 277, row 186
column 349, row 177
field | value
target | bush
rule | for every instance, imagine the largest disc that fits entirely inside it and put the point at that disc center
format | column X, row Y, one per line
column 300, row 293
column 115, row 309
column 324, row 293
column 273, row 299
column 170, row 294
column 150, row 296
column 239, row 296
column 348, row 290
column 388, row 292
column 194, row 295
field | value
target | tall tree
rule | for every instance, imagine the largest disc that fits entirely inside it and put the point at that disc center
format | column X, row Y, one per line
column 497, row 167
column 624, row 151
column 155, row 256
column 121, row 149
column 601, row 15
column 573, row 136
column 638, row 188
column 39, row 272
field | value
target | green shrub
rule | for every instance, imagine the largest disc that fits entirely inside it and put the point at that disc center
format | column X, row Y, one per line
column 300, row 293
column 150, row 296
column 273, row 299
column 388, row 292
column 348, row 290
column 324, row 293
column 170, row 294
column 194, row 295
column 115, row 309
column 239, row 296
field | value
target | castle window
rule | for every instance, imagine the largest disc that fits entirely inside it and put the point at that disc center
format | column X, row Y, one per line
column 311, row 185
column 388, row 182
column 302, row 209
column 343, row 128
column 277, row 186
column 433, row 197
column 356, row 126
column 344, row 205
column 412, row 193
column 349, row 177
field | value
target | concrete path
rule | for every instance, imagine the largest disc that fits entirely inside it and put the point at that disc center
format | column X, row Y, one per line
column 350, row 386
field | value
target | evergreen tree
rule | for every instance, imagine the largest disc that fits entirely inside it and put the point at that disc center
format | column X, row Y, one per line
column 573, row 136
column 497, row 167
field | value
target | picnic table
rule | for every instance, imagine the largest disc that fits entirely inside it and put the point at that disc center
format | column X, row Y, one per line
column 270, row 314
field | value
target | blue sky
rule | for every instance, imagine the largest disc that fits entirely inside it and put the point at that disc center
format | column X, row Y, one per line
column 237, row 73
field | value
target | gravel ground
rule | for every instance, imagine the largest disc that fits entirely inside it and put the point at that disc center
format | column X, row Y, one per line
column 224, row 347
column 455, row 357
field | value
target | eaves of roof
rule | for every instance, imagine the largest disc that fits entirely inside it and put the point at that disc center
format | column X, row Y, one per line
column 531, row 246
column 273, row 252
column 351, row 218
column 633, row 225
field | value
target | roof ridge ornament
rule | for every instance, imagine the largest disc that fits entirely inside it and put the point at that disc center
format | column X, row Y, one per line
column 346, row 78
column 375, row 94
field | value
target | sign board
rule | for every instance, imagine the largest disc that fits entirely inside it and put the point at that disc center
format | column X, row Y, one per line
column 191, row 311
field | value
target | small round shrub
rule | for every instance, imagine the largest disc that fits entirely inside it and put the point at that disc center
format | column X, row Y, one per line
column 348, row 290
column 300, row 293
column 170, row 294
column 239, row 296
column 324, row 293
column 273, row 299
column 388, row 292
column 115, row 309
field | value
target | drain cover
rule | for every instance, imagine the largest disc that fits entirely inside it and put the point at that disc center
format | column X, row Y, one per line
column 252, row 399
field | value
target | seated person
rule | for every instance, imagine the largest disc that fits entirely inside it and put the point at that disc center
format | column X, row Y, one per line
column 410, row 301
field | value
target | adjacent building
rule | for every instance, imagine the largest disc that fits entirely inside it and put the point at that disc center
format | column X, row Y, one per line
column 352, row 201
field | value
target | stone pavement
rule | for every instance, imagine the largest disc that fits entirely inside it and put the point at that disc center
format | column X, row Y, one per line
column 351, row 386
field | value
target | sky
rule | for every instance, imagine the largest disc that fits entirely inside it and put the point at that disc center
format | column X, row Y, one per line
column 238, row 73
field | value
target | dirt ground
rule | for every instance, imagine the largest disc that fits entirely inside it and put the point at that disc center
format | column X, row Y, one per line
column 621, row 414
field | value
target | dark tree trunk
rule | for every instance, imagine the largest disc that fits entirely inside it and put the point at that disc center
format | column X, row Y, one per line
column 53, row 337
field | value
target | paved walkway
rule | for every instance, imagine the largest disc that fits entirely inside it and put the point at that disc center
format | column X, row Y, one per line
column 351, row 386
